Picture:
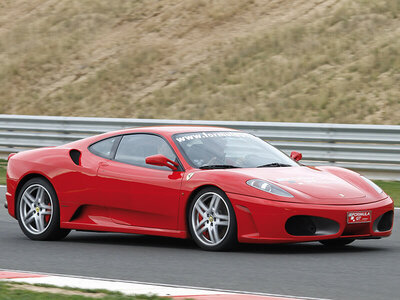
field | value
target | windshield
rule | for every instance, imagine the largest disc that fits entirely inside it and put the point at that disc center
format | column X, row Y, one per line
column 229, row 149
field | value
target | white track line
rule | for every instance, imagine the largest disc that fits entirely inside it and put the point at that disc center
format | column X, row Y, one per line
column 128, row 286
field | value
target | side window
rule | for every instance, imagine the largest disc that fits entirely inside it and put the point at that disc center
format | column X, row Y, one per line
column 103, row 148
column 133, row 149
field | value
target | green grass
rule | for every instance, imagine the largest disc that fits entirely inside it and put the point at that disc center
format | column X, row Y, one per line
column 17, row 291
column 392, row 188
column 3, row 170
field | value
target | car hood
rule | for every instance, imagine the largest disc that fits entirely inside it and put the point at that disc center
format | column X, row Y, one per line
column 311, row 185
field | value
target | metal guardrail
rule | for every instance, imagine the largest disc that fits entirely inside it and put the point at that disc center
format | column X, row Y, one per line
column 370, row 149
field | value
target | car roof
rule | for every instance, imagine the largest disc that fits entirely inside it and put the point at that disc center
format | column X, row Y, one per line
column 171, row 130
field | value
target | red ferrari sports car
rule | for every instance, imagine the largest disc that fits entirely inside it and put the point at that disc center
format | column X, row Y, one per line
column 215, row 185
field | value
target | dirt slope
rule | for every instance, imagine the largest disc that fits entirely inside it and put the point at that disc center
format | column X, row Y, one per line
column 278, row 60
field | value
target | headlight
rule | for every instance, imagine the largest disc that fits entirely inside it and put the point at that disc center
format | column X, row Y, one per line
column 268, row 187
column 376, row 188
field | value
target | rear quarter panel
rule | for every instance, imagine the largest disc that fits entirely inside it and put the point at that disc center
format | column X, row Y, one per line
column 71, row 182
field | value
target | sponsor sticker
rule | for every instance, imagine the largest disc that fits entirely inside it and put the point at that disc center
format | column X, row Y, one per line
column 356, row 217
column 206, row 135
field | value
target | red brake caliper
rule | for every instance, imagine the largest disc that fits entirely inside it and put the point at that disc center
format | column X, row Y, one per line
column 47, row 217
column 205, row 233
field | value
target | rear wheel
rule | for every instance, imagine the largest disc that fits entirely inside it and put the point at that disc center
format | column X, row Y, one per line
column 336, row 243
column 212, row 221
column 38, row 211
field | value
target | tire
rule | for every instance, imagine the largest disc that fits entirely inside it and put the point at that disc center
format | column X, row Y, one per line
column 38, row 211
column 212, row 221
column 336, row 243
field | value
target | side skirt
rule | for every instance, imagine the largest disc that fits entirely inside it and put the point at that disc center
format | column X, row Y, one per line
column 112, row 227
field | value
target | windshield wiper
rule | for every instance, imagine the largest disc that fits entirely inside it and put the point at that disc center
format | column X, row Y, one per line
column 275, row 164
column 218, row 167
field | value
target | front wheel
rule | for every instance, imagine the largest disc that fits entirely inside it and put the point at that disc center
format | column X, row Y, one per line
column 212, row 221
column 38, row 211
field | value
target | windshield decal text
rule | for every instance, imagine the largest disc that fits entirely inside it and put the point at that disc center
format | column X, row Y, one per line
column 205, row 135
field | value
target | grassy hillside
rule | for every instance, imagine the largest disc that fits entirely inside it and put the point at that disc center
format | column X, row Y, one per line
column 262, row 60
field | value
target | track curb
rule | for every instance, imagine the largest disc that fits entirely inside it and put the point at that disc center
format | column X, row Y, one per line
column 135, row 287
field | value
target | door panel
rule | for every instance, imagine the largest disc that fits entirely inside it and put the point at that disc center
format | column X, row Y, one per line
column 142, row 195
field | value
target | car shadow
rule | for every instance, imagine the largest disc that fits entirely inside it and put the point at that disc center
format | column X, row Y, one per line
column 129, row 239
column 306, row 248
column 167, row 242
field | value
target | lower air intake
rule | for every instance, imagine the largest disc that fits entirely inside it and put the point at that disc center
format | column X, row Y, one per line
column 384, row 222
column 311, row 226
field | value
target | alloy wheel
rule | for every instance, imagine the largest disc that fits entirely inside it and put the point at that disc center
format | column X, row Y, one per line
column 36, row 209
column 210, row 219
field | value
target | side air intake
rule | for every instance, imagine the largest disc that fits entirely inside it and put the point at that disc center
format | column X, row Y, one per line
column 75, row 156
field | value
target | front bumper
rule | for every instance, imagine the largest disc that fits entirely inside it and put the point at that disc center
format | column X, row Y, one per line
column 264, row 221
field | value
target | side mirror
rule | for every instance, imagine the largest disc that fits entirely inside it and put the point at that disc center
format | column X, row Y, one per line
column 161, row 160
column 296, row 156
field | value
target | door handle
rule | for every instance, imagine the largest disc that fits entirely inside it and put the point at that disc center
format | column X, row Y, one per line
column 103, row 164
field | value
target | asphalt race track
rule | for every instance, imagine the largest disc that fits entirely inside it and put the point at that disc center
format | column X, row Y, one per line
column 364, row 270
